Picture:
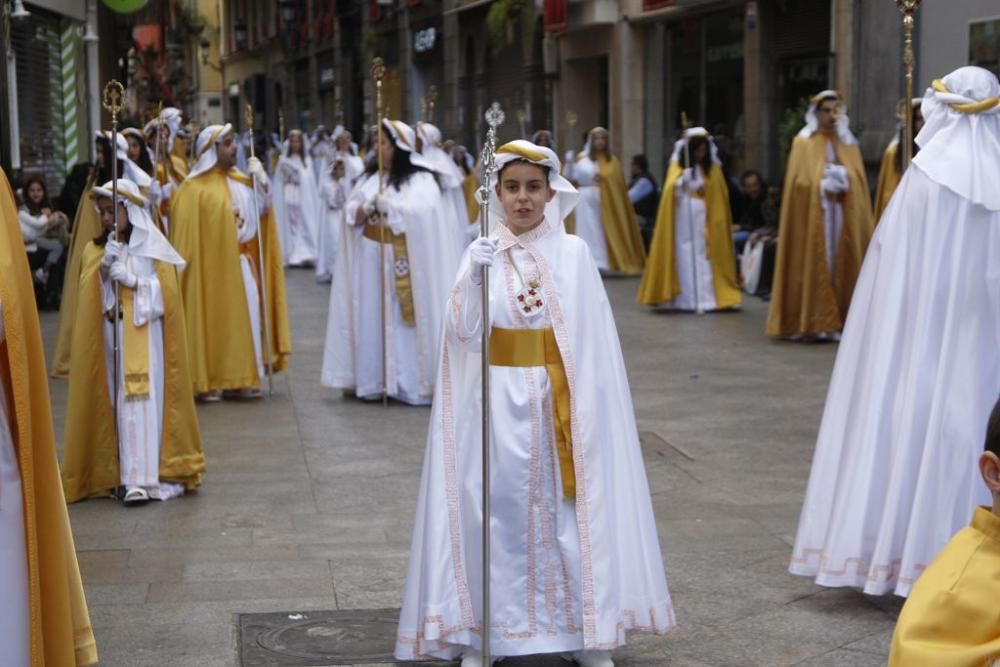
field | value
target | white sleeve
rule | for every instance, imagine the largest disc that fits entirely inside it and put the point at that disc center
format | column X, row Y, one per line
column 36, row 222
column 464, row 312
column 148, row 300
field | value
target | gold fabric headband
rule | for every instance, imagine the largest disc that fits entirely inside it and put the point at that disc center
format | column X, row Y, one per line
column 94, row 194
column 212, row 140
column 522, row 151
column 966, row 107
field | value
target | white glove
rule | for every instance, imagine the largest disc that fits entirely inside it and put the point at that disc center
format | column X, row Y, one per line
column 481, row 253
column 113, row 251
column 569, row 157
column 377, row 204
column 120, row 274
column 255, row 167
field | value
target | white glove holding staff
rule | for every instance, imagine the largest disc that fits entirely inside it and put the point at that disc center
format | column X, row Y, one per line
column 481, row 252
column 120, row 274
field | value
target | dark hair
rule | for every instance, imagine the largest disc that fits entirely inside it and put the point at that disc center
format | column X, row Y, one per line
column 302, row 147
column 641, row 162
column 400, row 169
column 33, row 208
column 545, row 169
column 693, row 144
column 993, row 431
column 102, row 239
column 102, row 172
column 72, row 190
column 144, row 162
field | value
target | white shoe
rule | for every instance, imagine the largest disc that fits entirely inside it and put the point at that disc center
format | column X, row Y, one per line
column 592, row 658
column 473, row 658
column 135, row 495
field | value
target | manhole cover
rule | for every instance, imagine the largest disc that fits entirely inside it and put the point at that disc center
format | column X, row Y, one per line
column 318, row 637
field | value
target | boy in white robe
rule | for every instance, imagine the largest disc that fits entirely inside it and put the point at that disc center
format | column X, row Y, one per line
column 576, row 562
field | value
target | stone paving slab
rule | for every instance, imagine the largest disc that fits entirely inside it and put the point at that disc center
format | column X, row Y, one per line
column 309, row 497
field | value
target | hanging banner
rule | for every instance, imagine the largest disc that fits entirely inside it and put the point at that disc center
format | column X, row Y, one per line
column 125, row 6
column 555, row 16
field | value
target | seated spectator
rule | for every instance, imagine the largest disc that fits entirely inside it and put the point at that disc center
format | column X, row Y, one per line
column 757, row 262
column 951, row 617
column 41, row 227
column 749, row 215
column 645, row 197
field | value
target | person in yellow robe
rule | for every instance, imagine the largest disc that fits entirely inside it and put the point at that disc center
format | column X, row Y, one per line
column 826, row 223
column 604, row 218
column 950, row 617
column 694, row 211
column 44, row 621
column 159, row 453
column 172, row 167
column 891, row 171
column 86, row 226
column 217, row 215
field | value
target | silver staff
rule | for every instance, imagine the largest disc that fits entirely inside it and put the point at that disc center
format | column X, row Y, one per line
column 494, row 118
column 691, row 226
column 378, row 74
column 266, row 352
column 113, row 100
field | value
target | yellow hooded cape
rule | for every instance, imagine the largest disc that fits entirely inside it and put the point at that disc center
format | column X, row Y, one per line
column 888, row 180
column 202, row 231
column 90, row 464
column 803, row 298
column 86, row 227
column 660, row 282
column 626, row 252
column 61, row 635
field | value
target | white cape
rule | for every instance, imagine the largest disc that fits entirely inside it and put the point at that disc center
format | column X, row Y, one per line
column 894, row 475
column 352, row 353
column 610, row 580
column 298, row 232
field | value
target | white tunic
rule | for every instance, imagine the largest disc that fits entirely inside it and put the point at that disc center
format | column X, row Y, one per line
column 140, row 421
column 249, row 203
column 918, row 370
column 297, row 210
column 334, row 197
column 566, row 575
column 690, row 217
column 352, row 357
column 588, row 210
column 15, row 633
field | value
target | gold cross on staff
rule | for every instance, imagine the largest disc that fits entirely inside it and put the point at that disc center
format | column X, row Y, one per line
column 113, row 97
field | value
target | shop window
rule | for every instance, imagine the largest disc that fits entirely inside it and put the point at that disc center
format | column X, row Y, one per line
column 984, row 44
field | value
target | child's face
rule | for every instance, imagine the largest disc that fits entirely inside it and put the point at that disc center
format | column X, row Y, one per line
column 106, row 210
column 524, row 191
column 338, row 171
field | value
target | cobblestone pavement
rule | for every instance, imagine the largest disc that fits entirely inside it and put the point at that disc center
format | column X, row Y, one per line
column 308, row 505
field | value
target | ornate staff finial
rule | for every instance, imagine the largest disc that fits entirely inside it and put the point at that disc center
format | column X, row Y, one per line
column 908, row 8
column 572, row 118
column 377, row 69
column 249, row 115
column 113, row 98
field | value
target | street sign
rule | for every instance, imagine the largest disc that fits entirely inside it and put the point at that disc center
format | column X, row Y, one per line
column 125, row 6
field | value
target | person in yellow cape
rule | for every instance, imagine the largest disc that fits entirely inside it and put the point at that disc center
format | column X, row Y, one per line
column 215, row 230
column 172, row 167
column 950, row 616
column 86, row 226
column 604, row 218
column 44, row 620
column 826, row 223
column 159, row 453
column 891, row 171
column 694, row 208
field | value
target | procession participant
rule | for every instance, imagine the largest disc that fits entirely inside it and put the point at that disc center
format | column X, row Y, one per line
column 334, row 192
column 826, row 222
column 321, row 150
column 449, row 178
column 138, row 151
column 470, row 182
column 86, row 227
column 347, row 152
column 296, row 203
column 215, row 231
column 156, row 457
column 420, row 262
column 695, row 203
column 918, row 369
column 544, row 139
column 949, row 617
column 572, row 515
column 892, row 160
column 604, row 216
column 44, row 621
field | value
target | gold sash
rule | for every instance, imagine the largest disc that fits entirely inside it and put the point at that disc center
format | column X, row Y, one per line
column 401, row 267
column 522, row 348
column 136, row 342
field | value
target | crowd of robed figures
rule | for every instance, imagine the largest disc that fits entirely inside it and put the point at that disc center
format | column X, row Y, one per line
column 195, row 289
